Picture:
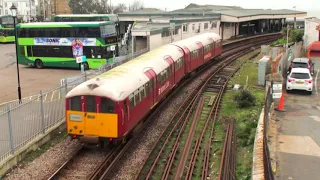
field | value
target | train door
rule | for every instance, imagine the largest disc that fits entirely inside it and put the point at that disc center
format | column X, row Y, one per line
column 187, row 57
column 125, row 111
column 90, row 115
column 170, row 68
column 152, row 77
column 201, row 52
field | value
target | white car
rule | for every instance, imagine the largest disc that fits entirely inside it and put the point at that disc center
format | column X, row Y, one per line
column 300, row 79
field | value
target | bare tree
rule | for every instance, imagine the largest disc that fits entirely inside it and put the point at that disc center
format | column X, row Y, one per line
column 120, row 8
column 136, row 5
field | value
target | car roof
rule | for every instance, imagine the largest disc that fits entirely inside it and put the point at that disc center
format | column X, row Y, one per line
column 300, row 70
column 302, row 60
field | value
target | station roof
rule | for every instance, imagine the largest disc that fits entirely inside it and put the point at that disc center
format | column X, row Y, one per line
column 227, row 13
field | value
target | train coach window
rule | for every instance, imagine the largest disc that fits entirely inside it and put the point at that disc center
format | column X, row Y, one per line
column 75, row 103
column 136, row 97
column 131, row 101
column 142, row 93
column 91, row 104
column 147, row 88
column 107, row 106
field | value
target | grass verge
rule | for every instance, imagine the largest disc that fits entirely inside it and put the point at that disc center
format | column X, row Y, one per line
column 246, row 118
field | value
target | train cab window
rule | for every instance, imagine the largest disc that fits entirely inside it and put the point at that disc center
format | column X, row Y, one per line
column 107, row 106
column 142, row 93
column 136, row 97
column 131, row 99
column 91, row 104
column 147, row 88
column 75, row 103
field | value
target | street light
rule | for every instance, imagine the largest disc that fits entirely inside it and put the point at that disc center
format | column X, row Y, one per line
column 13, row 9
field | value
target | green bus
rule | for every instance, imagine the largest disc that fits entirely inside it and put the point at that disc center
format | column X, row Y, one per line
column 56, row 44
column 85, row 17
column 6, row 29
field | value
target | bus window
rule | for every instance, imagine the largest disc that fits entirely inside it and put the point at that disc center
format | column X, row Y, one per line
column 75, row 103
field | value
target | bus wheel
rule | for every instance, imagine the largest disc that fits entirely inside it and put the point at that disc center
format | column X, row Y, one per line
column 39, row 64
column 86, row 66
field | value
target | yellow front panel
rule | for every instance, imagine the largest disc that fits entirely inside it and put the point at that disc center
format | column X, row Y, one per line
column 91, row 124
column 75, row 122
column 108, row 125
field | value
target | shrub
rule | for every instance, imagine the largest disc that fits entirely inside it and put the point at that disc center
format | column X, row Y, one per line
column 244, row 99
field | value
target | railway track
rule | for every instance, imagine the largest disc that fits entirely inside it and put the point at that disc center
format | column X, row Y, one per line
column 228, row 160
column 209, row 93
column 183, row 149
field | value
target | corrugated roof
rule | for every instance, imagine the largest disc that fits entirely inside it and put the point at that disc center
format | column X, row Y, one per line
column 211, row 7
column 255, row 12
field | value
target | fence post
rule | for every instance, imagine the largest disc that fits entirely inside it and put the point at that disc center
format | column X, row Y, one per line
column 42, row 112
column 66, row 85
column 10, row 130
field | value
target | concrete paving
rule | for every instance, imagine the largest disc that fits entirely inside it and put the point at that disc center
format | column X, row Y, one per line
column 32, row 80
column 298, row 147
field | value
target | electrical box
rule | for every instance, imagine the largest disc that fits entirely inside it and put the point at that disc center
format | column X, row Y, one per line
column 264, row 69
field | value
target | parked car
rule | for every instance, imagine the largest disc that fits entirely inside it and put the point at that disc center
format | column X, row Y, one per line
column 300, row 79
column 302, row 63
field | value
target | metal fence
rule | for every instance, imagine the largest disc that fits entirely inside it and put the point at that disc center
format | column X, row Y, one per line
column 268, row 174
column 22, row 123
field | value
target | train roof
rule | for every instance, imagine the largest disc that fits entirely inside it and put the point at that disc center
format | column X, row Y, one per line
column 191, row 43
column 119, row 82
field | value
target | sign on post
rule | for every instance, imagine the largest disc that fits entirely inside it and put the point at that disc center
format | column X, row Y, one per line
column 112, row 48
column 277, row 91
column 172, row 26
column 81, row 59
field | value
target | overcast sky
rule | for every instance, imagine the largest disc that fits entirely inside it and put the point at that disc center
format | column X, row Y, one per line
column 311, row 6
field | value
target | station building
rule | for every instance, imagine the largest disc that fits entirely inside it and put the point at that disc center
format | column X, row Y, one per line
column 153, row 28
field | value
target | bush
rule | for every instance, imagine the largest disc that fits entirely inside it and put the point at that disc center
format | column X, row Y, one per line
column 244, row 99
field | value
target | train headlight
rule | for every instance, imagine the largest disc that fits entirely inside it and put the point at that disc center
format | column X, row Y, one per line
column 75, row 117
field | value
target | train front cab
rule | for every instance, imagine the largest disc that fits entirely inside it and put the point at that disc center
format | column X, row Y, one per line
column 92, row 118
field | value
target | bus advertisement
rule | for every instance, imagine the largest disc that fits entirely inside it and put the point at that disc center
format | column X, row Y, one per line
column 57, row 44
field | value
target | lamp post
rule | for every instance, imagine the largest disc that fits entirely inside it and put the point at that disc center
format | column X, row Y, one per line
column 13, row 9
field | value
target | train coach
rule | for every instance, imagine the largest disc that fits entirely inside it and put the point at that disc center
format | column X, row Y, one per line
column 106, row 108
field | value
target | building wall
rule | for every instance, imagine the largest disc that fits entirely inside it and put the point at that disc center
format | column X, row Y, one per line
column 310, row 32
column 157, row 40
column 25, row 8
column 60, row 7
column 229, row 30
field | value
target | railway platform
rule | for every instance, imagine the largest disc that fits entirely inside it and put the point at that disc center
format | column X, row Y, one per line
column 296, row 136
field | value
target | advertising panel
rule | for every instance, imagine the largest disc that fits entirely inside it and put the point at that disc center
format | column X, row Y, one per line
column 64, row 41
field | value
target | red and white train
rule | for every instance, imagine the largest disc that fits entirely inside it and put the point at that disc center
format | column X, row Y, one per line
column 107, row 107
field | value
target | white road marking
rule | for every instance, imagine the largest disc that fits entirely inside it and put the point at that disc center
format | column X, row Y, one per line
column 293, row 144
column 316, row 82
column 316, row 118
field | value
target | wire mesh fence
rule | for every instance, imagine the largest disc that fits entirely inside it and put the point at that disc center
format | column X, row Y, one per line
column 268, row 174
column 22, row 123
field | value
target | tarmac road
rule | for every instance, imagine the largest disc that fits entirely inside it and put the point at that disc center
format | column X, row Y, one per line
column 32, row 80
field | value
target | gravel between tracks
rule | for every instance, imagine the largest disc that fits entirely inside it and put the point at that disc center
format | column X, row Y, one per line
column 47, row 163
column 134, row 158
